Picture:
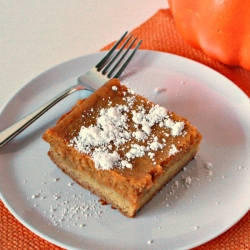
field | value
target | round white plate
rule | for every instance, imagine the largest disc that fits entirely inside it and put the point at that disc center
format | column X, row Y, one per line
column 209, row 196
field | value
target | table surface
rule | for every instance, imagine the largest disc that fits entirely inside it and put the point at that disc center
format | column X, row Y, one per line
column 37, row 35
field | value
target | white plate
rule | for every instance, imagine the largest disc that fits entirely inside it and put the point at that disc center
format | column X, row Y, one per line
column 212, row 193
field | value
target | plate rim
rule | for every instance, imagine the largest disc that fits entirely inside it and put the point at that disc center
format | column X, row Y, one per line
column 5, row 106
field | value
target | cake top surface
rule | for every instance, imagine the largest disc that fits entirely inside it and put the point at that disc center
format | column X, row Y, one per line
column 119, row 129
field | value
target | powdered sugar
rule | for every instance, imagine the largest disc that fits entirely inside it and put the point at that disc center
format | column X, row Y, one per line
column 119, row 124
column 159, row 90
column 177, row 128
column 173, row 150
column 105, row 159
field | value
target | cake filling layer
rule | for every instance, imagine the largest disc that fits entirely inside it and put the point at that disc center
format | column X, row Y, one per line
column 121, row 146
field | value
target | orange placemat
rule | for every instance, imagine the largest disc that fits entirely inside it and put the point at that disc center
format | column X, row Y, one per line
column 158, row 33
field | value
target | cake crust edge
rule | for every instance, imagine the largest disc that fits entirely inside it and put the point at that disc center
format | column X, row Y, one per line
column 110, row 196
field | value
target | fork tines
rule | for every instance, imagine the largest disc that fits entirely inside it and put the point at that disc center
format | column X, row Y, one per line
column 119, row 58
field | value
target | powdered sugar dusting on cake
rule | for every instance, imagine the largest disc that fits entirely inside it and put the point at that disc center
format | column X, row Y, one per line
column 173, row 150
column 106, row 141
column 105, row 159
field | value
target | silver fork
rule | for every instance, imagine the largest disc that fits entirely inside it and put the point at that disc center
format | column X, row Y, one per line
column 111, row 66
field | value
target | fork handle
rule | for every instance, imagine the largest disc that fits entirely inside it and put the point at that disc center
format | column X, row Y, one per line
column 12, row 131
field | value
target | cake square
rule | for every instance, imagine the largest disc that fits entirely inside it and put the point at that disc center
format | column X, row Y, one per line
column 121, row 147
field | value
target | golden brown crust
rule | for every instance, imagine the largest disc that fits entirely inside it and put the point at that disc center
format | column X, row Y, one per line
column 126, row 189
column 110, row 195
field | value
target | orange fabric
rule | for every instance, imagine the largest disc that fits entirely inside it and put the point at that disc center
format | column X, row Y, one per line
column 15, row 236
column 158, row 33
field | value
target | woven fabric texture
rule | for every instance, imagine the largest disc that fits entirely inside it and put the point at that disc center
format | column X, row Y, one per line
column 158, row 33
